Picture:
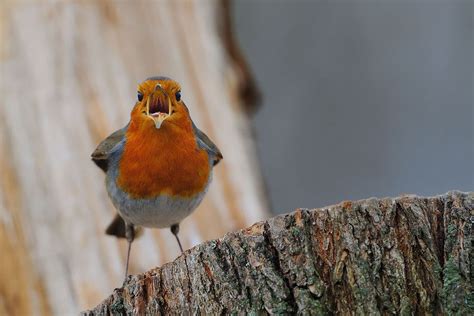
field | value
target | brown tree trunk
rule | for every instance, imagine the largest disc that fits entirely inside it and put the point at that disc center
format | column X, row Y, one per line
column 408, row 255
column 69, row 72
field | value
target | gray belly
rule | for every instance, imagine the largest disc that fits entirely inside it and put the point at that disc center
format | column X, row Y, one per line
column 160, row 212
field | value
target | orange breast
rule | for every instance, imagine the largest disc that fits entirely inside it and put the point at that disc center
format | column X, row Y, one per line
column 162, row 161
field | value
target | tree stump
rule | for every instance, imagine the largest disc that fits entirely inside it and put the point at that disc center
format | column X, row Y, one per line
column 406, row 255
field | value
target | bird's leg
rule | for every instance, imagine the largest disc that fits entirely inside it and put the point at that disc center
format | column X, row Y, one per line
column 175, row 231
column 130, row 235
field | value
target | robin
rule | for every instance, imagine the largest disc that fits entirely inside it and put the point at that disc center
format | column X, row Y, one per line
column 159, row 166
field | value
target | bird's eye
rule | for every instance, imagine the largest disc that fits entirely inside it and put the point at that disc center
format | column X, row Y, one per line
column 178, row 96
column 139, row 96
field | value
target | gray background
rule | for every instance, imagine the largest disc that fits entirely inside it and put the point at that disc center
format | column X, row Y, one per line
column 361, row 98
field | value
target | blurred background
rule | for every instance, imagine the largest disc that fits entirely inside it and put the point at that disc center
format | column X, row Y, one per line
column 359, row 99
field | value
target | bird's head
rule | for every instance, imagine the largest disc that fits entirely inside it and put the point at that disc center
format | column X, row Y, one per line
column 159, row 101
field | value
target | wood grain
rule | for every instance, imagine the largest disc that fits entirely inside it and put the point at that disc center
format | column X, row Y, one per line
column 69, row 72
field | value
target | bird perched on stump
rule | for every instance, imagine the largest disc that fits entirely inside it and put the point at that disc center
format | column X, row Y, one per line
column 159, row 166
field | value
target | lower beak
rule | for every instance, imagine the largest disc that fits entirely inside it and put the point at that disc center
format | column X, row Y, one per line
column 159, row 119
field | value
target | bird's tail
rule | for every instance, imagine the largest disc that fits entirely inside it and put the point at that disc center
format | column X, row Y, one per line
column 117, row 228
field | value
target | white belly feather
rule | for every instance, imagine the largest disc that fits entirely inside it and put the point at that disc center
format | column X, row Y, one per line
column 159, row 212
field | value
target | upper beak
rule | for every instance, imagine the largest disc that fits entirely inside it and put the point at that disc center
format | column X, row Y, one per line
column 158, row 117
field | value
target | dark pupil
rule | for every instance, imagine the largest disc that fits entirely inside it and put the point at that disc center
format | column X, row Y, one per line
column 139, row 96
column 178, row 96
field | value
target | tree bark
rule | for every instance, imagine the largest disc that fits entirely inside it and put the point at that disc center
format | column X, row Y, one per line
column 405, row 255
column 69, row 71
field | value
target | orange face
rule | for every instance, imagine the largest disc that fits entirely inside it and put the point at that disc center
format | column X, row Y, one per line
column 159, row 103
column 161, row 155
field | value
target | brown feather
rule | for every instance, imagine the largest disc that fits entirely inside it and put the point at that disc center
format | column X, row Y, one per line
column 101, row 154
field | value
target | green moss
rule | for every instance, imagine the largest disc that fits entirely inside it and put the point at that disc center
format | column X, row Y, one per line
column 458, row 299
column 405, row 306
column 451, row 235
column 212, row 244
column 452, row 230
column 308, row 303
column 295, row 231
column 469, row 302
column 437, row 269
column 451, row 275
column 316, row 285
column 117, row 307
column 282, row 308
column 256, row 312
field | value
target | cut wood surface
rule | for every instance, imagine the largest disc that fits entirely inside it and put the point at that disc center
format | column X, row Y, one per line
column 69, row 72
column 406, row 255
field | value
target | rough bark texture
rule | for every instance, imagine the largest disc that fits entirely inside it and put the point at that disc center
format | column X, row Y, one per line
column 69, row 71
column 408, row 255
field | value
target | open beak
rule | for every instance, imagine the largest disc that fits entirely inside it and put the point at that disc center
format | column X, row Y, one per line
column 158, row 106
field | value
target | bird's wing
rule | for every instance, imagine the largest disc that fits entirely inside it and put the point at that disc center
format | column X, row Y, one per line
column 101, row 154
column 208, row 145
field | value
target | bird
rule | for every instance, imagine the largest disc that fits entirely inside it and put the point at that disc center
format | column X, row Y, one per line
column 159, row 166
